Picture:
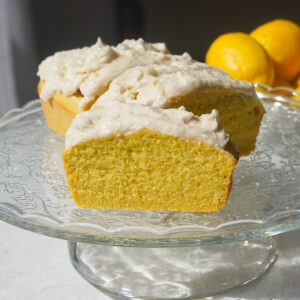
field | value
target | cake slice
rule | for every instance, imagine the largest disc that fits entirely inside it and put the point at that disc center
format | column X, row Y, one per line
column 131, row 156
column 198, row 87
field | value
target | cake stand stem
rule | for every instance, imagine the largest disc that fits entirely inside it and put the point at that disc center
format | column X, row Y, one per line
column 173, row 273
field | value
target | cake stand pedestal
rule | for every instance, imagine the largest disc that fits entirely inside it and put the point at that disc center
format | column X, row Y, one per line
column 173, row 273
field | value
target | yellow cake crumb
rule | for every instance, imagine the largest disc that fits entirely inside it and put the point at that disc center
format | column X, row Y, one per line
column 149, row 170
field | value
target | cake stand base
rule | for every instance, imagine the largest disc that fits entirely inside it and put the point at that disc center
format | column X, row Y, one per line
column 173, row 273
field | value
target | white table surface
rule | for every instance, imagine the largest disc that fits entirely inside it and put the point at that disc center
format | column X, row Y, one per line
column 36, row 267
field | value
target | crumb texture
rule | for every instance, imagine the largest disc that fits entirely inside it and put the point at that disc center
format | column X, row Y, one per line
column 148, row 170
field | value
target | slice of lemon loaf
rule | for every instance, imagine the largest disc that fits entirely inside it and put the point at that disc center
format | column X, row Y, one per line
column 131, row 156
column 198, row 87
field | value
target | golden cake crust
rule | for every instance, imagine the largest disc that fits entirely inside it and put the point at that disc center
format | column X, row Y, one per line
column 59, row 111
column 57, row 117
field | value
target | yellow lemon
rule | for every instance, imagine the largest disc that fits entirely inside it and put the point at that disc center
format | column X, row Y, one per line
column 242, row 57
column 281, row 39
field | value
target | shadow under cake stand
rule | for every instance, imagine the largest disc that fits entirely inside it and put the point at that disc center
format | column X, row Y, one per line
column 158, row 254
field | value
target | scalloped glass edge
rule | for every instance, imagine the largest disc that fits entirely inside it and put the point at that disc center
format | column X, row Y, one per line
column 13, row 215
column 38, row 216
column 266, row 92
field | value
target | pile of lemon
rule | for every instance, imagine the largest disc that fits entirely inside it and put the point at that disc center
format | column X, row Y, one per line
column 270, row 54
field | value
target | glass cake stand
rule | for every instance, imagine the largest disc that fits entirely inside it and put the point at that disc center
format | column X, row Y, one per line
column 158, row 254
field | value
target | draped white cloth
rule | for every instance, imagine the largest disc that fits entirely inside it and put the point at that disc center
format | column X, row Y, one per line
column 18, row 58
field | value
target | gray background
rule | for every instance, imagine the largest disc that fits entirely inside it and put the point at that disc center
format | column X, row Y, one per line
column 31, row 30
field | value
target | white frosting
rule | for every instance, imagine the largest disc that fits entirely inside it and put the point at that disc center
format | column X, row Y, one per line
column 127, row 118
column 91, row 70
column 141, row 46
column 65, row 71
column 155, row 84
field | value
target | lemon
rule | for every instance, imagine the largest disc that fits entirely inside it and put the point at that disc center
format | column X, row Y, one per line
column 242, row 57
column 281, row 39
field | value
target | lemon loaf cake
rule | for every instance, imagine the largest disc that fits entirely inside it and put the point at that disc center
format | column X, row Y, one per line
column 136, row 71
column 132, row 156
